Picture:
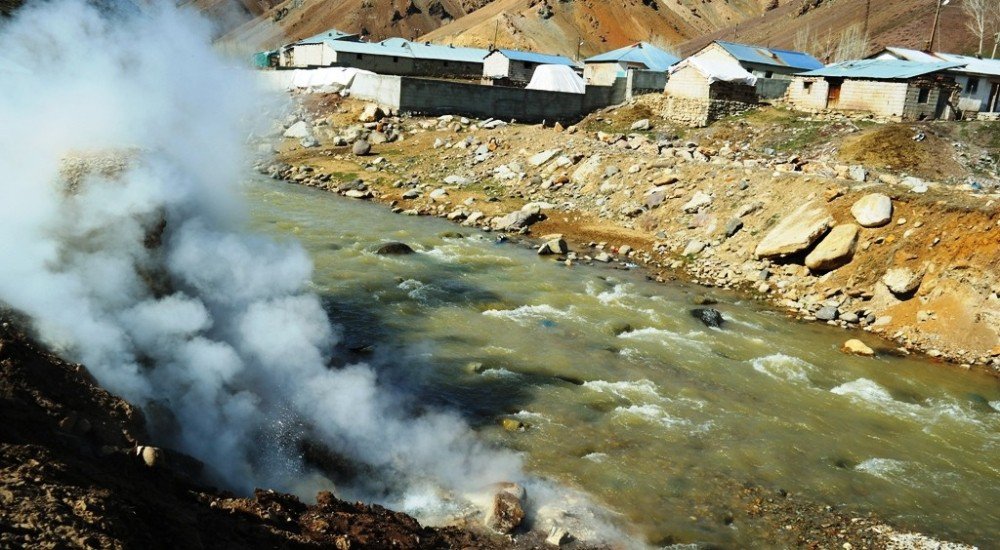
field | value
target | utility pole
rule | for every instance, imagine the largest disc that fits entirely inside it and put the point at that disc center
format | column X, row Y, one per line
column 937, row 17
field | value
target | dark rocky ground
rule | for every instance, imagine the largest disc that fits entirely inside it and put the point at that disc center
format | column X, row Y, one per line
column 70, row 477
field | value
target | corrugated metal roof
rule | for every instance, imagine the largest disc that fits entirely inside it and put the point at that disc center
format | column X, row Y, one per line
column 426, row 50
column 540, row 58
column 649, row 55
column 881, row 69
column 770, row 56
column 332, row 34
column 972, row 65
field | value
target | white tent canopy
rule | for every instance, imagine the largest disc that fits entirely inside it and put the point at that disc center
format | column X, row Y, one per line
column 718, row 71
column 557, row 78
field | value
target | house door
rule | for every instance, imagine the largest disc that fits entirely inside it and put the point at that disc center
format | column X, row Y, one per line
column 942, row 110
column 833, row 96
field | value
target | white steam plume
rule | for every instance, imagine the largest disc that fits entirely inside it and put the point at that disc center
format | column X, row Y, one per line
column 208, row 323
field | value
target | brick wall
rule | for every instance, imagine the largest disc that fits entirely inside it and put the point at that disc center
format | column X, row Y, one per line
column 882, row 98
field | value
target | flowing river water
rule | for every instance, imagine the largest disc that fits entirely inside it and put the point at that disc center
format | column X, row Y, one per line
column 661, row 421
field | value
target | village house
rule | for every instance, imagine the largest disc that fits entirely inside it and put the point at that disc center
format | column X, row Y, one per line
column 393, row 56
column 890, row 89
column 700, row 91
column 978, row 79
column 515, row 68
column 759, row 61
column 604, row 69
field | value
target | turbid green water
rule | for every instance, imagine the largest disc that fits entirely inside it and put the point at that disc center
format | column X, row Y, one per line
column 661, row 422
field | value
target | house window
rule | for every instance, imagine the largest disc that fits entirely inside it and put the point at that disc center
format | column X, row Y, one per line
column 445, row 63
column 395, row 59
column 972, row 86
column 768, row 74
column 807, row 86
column 924, row 95
column 357, row 56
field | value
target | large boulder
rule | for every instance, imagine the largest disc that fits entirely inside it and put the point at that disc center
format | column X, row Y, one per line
column 709, row 316
column 857, row 347
column 543, row 157
column 796, row 233
column 519, row 219
column 902, row 281
column 873, row 210
column 507, row 511
column 835, row 250
column 371, row 113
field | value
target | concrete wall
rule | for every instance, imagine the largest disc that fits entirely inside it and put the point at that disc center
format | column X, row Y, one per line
column 808, row 94
column 772, row 88
column 440, row 97
column 386, row 90
column 639, row 81
column 886, row 99
column 322, row 55
column 602, row 74
column 914, row 109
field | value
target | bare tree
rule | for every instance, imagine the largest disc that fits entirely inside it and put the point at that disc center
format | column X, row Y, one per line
column 981, row 17
column 852, row 43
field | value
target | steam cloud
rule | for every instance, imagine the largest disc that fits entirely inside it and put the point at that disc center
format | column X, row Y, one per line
column 210, row 323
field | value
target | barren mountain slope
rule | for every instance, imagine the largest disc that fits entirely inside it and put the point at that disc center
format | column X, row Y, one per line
column 296, row 19
column 600, row 25
column 814, row 25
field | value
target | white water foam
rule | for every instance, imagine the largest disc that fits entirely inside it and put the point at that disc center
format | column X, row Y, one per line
column 783, row 367
column 638, row 390
column 525, row 314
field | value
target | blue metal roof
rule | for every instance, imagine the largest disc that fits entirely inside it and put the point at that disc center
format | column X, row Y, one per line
column 646, row 54
column 881, row 69
column 332, row 34
column 540, row 58
column 770, row 56
column 426, row 50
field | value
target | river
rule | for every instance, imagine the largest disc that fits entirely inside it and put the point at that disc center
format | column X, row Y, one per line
column 629, row 398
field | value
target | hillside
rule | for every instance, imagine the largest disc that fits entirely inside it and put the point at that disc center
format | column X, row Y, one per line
column 815, row 25
column 296, row 19
column 599, row 25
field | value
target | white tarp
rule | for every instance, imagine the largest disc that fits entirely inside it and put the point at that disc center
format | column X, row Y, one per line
column 336, row 77
column 557, row 78
column 718, row 71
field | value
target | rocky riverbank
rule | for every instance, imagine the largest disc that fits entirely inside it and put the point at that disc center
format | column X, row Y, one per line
column 891, row 229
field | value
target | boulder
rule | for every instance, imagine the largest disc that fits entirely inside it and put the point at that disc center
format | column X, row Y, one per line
column 709, row 316
column 507, row 511
column 835, row 250
column 827, row 313
column 796, row 233
column 857, row 173
column 693, row 247
column 371, row 113
column 543, row 157
column 641, row 125
column 298, row 130
column 553, row 246
column 150, row 456
column 697, row 202
column 857, row 347
column 394, row 249
column 438, row 193
column 902, row 281
column 517, row 220
column 361, row 148
column 733, row 226
column 873, row 210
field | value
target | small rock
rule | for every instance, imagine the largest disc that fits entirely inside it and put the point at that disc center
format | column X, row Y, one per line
column 693, row 247
column 733, row 226
column 553, row 246
column 827, row 313
column 902, row 281
column 150, row 456
column 641, row 125
column 873, row 210
column 697, row 202
column 371, row 113
column 507, row 512
column 361, row 148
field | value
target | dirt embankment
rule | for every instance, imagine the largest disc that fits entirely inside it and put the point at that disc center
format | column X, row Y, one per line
column 698, row 203
column 70, row 477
